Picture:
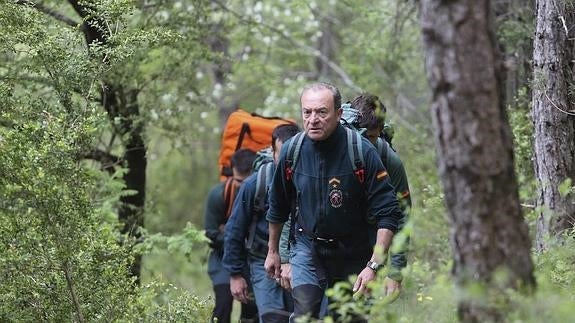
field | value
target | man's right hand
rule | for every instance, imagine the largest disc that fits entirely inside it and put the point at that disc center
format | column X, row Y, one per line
column 239, row 288
column 272, row 264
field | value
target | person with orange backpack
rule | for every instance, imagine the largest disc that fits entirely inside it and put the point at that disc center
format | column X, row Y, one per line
column 246, row 237
column 217, row 211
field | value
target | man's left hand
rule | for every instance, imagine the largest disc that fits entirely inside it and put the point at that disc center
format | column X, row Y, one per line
column 392, row 290
column 391, row 286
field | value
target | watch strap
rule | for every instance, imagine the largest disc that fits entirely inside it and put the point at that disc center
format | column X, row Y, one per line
column 373, row 265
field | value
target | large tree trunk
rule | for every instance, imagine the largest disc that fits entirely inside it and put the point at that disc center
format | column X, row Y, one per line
column 120, row 103
column 123, row 104
column 554, row 116
column 475, row 153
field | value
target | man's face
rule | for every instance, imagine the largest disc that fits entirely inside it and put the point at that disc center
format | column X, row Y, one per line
column 372, row 134
column 277, row 148
column 319, row 116
column 238, row 177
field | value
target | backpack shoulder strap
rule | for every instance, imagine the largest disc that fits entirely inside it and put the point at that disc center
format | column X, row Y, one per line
column 291, row 160
column 264, row 178
column 382, row 146
column 355, row 153
column 229, row 195
column 293, row 154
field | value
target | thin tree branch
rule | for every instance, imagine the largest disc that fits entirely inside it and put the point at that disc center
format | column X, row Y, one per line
column 558, row 108
column 49, row 11
column 102, row 156
column 28, row 78
column 70, row 283
column 562, row 19
column 106, row 159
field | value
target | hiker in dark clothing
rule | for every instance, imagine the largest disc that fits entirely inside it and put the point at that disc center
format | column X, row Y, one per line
column 246, row 233
column 334, row 197
column 217, row 212
column 370, row 120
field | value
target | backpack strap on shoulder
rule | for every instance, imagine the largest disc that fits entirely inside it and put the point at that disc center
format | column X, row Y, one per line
column 229, row 195
column 382, row 146
column 291, row 159
column 355, row 153
column 293, row 154
column 263, row 180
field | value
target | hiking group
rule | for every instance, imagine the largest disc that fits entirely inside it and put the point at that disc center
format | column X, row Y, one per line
column 317, row 207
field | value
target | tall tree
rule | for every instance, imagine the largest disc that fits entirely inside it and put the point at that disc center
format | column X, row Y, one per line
column 120, row 101
column 123, row 54
column 554, row 116
column 475, row 154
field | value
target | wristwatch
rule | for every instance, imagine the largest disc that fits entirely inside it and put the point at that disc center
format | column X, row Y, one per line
column 373, row 265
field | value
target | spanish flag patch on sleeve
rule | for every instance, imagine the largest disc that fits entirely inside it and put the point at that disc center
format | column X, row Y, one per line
column 381, row 175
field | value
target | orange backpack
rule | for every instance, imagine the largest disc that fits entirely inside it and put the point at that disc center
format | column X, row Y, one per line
column 246, row 130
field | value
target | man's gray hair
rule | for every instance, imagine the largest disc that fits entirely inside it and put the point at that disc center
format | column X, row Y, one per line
column 322, row 85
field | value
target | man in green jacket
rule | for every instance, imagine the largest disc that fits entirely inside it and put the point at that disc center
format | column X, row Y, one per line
column 371, row 120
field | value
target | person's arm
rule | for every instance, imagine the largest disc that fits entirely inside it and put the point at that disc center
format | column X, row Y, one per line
column 278, row 213
column 280, row 191
column 285, row 280
column 384, row 207
column 272, row 264
column 382, row 203
column 237, row 228
column 236, row 231
column 214, row 217
column 398, row 176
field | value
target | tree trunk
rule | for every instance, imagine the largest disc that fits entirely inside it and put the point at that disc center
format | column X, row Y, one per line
column 218, row 42
column 517, row 49
column 122, row 104
column 131, row 214
column 554, row 116
column 475, row 154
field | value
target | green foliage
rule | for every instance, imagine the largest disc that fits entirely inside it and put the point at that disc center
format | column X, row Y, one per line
column 566, row 187
column 59, row 254
column 428, row 217
column 161, row 302
column 515, row 30
column 59, row 260
column 181, row 170
column 186, row 272
column 344, row 304
column 427, row 295
column 522, row 128
column 553, row 299
column 183, row 243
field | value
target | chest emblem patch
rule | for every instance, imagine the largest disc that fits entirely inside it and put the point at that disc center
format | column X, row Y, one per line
column 335, row 197
column 335, row 194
